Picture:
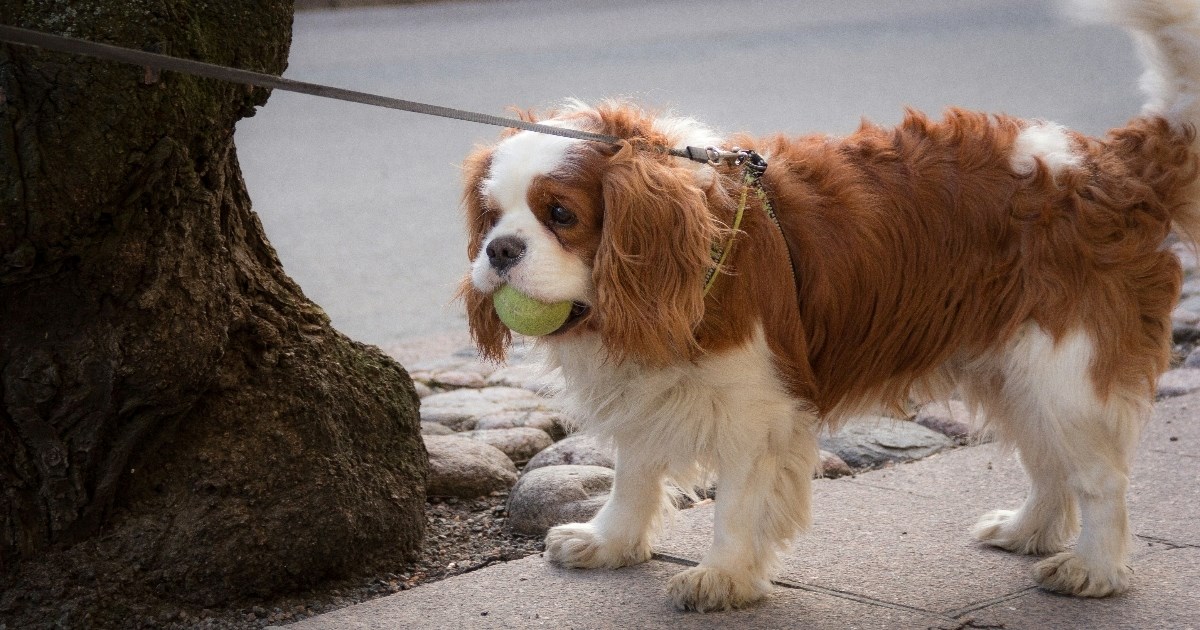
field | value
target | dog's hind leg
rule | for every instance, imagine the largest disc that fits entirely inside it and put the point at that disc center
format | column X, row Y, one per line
column 1076, row 447
column 1043, row 524
column 1097, row 458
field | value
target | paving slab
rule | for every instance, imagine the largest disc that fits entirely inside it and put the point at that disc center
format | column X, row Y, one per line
column 1175, row 428
column 1164, row 498
column 1165, row 594
column 901, row 535
column 529, row 593
column 886, row 545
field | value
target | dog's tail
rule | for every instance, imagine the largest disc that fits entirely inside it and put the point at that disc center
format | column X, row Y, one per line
column 1167, row 35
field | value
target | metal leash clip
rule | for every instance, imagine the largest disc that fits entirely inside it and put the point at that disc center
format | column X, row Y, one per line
column 754, row 163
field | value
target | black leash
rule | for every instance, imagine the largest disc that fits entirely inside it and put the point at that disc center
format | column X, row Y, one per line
column 71, row 45
column 752, row 163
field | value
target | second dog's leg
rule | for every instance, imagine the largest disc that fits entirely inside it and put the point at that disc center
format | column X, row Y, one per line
column 763, row 500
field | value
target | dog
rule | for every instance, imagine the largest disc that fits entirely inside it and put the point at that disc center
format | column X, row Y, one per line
column 1018, row 264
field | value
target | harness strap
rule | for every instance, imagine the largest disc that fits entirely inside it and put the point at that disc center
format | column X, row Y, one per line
column 753, row 168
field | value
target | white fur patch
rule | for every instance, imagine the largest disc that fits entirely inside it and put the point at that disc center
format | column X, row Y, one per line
column 1054, row 378
column 688, row 413
column 546, row 272
column 727, row 413
column 1045, row 141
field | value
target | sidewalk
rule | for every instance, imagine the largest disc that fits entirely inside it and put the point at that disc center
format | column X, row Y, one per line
column 889, row 549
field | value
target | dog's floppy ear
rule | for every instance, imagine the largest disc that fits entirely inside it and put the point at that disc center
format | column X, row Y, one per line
column 654, row 252
column 490, row 334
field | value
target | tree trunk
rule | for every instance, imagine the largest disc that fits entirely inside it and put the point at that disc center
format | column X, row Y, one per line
column 176, row 418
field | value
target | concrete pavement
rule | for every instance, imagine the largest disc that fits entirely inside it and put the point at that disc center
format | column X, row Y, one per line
column 889, row 549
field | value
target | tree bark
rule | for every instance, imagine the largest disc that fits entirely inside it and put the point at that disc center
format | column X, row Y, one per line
column 174, row 412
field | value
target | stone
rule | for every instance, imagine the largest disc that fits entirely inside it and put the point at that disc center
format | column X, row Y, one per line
column 451, row 372
column 518, row 443
column 1185, row 317
column 466, row 468
column 1178, row 382
column 552, row 422
column 1190, row 303
column 1184, row 334
column 1193, row 359
column 554, row 495
column 433, row 428
column 529, row 376
column 950, row 418
column 461, row 409
column 578, row 449
column 873, row 442
column 453, row 379
column 439, row 363
column 833, row 466
column 423, row 390
column 1191, row 286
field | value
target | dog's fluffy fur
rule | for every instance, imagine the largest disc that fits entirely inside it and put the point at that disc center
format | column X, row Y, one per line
column 1020, row 264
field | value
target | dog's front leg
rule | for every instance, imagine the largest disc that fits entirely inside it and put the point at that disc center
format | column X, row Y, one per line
column 621, row 532
column 764, row 493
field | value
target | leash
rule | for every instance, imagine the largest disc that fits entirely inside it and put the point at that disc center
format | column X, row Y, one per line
column 157, row 61
column 753, row 164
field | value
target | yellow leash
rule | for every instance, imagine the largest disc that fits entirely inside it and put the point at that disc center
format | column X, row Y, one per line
column 728, row 247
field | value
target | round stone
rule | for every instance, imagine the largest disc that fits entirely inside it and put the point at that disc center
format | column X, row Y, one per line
column 554, row 495
column 466, row 468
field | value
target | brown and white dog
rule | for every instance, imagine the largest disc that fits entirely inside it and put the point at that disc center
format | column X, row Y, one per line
column 1017, row 263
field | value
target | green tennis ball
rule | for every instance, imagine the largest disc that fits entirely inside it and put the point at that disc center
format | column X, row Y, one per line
column 528, row 316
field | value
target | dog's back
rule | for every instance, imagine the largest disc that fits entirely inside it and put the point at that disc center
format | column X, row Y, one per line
column 928, row 246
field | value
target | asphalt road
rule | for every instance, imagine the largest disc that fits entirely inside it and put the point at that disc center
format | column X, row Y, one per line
column 362, row 203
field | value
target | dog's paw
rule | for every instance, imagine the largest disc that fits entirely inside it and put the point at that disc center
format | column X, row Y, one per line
column 1071, row 574
column 1000, row 528
column 580, row 546
column 706, row 589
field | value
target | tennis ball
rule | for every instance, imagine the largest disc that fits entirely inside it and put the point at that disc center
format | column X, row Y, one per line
column 526, row 315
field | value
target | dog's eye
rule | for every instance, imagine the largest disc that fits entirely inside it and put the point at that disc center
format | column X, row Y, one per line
column 562, row 217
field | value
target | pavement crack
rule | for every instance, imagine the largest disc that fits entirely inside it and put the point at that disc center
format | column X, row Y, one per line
column 958, row 612
column 877, row 487
column 673, row 559
column 1174, row 454
column 969, row 623
column 855, row 597
column 821, row 590
column 1172, row 544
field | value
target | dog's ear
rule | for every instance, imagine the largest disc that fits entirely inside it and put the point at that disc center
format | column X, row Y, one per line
column 654, row 252
column 490, row 334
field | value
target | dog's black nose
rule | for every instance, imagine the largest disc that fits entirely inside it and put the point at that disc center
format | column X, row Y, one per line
column 505, row 251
